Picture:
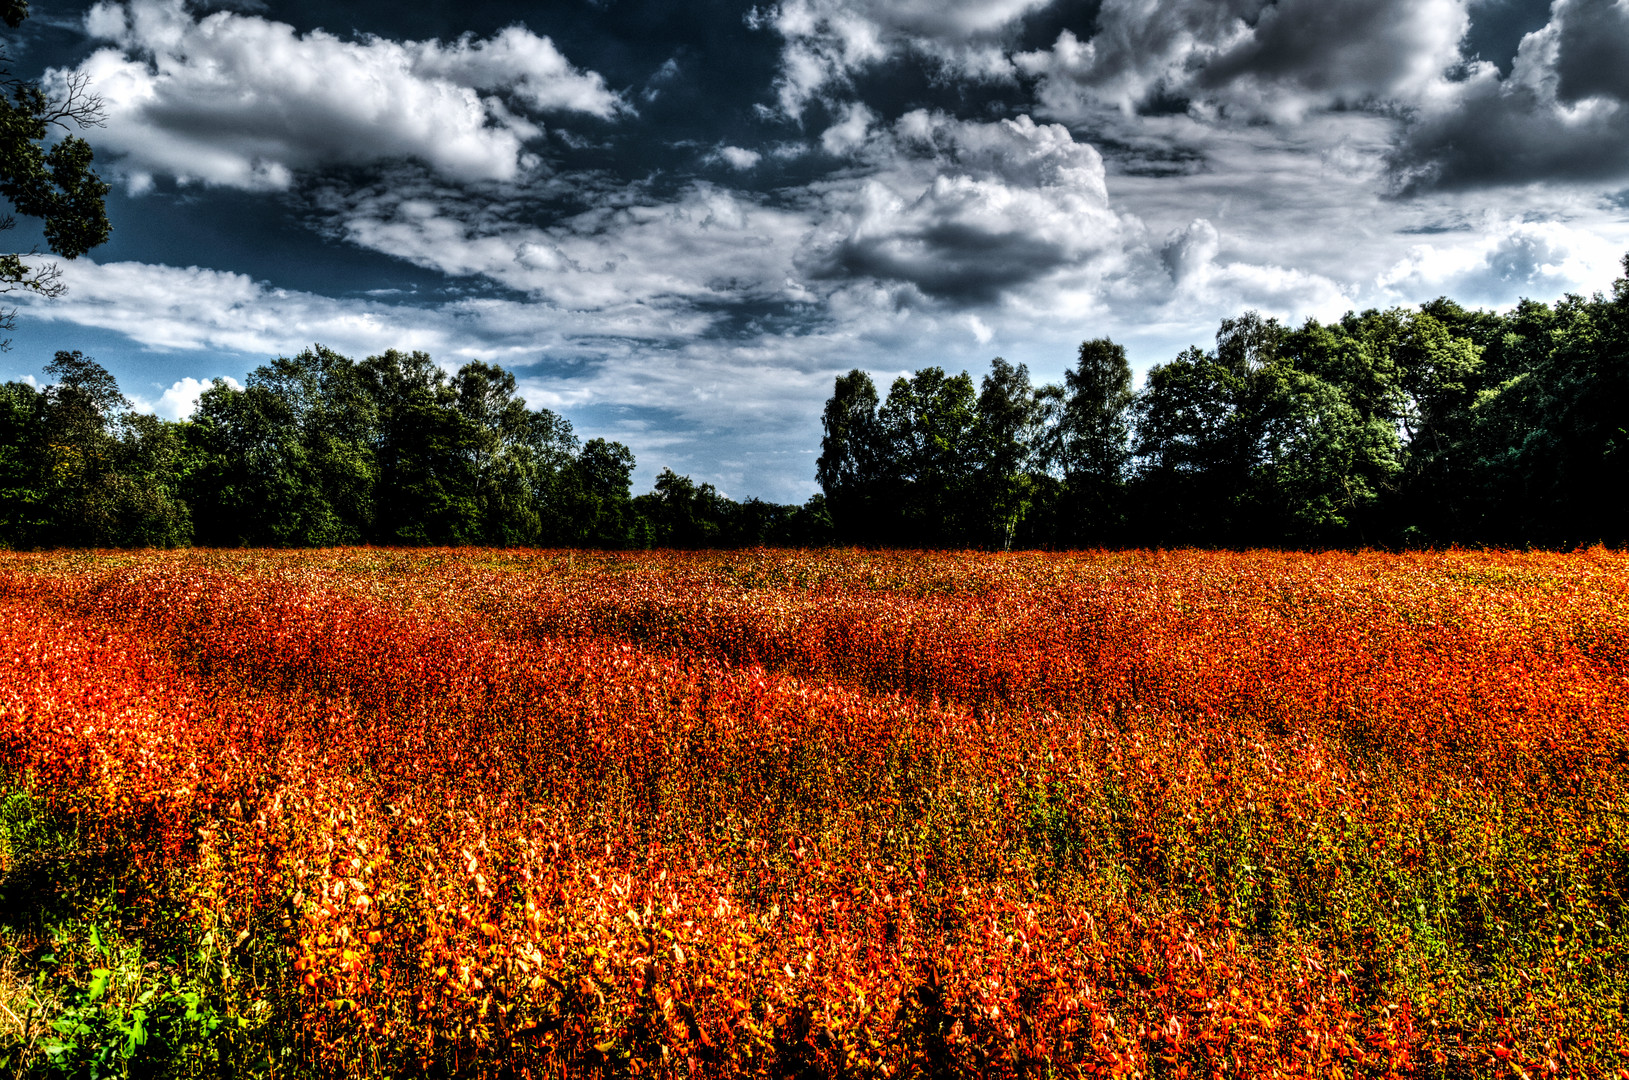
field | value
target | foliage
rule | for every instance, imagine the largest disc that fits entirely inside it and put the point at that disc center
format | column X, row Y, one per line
column 819, row 814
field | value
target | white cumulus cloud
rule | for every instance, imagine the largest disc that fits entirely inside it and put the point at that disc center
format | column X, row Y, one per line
column 1504, row 261
column 180, row 400
column 965, row 211
column 242, row 101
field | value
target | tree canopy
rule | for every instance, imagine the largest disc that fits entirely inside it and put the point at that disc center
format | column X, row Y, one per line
column 1432, row 426
column 319, row 449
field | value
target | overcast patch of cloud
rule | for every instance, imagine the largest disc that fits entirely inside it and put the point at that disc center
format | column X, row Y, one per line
column 1251, row 58
column 1562, row 114
column 241, row 101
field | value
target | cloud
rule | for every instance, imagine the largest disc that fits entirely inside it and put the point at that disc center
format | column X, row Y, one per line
column 654, row 262
column 180, row 400
column 966, row 211
column 739, row 159
column 1505, row 261
column 1274, row 59
column 826, row 42
column 929, row 213
column 1188, row 254
column 168, row 308
column 849, row 133
column 1562, row 115
column 240, row 101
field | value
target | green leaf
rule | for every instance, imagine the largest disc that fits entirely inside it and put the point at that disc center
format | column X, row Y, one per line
column 98, row 984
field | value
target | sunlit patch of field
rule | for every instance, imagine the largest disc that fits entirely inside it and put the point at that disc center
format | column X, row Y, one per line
column 823, row 813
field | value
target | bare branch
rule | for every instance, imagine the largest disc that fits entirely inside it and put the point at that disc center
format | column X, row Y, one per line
column 42, row 278
column 79, row 105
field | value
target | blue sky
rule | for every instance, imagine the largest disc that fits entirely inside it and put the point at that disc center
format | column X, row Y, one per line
column 677, row 222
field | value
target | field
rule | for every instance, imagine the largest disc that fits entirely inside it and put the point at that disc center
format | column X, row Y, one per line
column 528, row 814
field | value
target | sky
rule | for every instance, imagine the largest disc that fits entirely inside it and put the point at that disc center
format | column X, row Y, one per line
column 677, row 222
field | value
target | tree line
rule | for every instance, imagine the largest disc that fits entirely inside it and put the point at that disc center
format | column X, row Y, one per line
column 1437, row 426
column 1384, row 428
column 320, row 449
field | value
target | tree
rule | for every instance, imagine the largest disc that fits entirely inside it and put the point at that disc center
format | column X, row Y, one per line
column 596, row 497
column 1090, row 440
column 514, row 453
column 683, row 514
column 851, row 468
column 107, row 478
column 1007, row 426
column 23, row 508
column 1441, row 375
column 928, row 426
column 54, row 184
column 427, row 453
column 289, row 459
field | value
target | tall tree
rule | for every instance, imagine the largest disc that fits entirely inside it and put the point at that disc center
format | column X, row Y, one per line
column 1201, row 425
column 1007, row 428
column 1090, row 441
column 929, row 426
column 596, row 498
column 683, row 514
column 289, row 459
column 515, row 453
column 1441, row 376
column 425, row 453
column 24, row 511
column 852, row 467
column 108, row 479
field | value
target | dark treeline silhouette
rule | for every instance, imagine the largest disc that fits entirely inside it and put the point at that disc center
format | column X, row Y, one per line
column 320, row 449
column 1395, row 428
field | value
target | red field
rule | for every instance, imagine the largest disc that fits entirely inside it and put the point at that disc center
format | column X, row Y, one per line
column 850, row 814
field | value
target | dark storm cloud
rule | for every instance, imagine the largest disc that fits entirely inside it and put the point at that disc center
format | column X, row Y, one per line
column 1592, row 50
column 946, row 260
column 1561, row 115
column 1342, row 52
column 1498, row 135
